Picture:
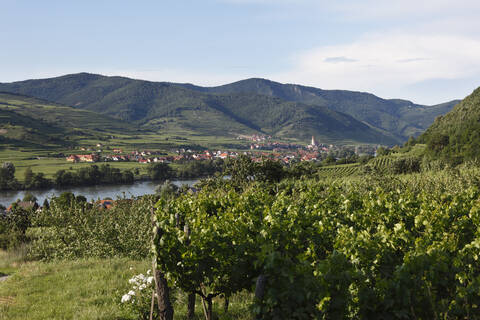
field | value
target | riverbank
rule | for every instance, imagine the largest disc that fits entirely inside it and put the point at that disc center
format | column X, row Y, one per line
column 138, row 188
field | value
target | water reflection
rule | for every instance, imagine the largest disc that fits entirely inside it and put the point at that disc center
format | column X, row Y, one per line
column 91, row 193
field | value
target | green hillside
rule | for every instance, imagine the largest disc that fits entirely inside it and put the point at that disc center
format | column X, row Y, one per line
column 164, row 107
column 456, row 136
column 401, row 118
column 30, row 122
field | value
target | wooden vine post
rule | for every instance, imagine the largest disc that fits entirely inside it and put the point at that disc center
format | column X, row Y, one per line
column 260, row 289
column 165, row 308
column 191, row 306
column 191, row 296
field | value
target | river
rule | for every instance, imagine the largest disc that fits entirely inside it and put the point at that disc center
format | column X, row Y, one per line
column 91, row 193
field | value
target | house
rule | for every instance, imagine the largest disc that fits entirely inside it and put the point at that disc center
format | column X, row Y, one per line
column 73, row 158
column 25, row 205
column 88, row 157
column 105, row 204
column 83, row 158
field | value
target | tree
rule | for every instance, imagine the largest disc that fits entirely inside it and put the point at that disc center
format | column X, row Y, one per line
column 159, row 171
column 383, row 151
column 438, row 142
column 7, row 177
column 166, row 189
column 411, row 142
column 39, row 181
column 80, row 199
column 241, row 170
column 9, row 170
column 46, row 205
column 304, row 168
column 269, row 171
column 65, row 199
column 128, row 176
column 29, row 197
column 28, row 177
column 330, row 159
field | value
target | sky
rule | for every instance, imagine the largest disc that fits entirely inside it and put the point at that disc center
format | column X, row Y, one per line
column 427, row 51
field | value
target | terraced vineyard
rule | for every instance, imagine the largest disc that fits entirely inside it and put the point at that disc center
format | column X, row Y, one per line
column 340, row 171
column 381, row 164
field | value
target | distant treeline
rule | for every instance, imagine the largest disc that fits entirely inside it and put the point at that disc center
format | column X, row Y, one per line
column 93, row 175
column 104, row 174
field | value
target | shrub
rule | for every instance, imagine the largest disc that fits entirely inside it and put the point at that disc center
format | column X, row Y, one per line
column 13, row 226
column 406, row 165
column 74, row 229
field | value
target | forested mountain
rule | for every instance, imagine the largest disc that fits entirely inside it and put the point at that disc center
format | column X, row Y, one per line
column 401, row 118
column 248, row 106
column 455, row 136
column 160, row 106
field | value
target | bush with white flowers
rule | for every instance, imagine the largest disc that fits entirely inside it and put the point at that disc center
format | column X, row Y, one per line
column 139, row 298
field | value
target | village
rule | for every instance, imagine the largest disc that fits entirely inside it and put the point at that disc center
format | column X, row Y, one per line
column 259, row 148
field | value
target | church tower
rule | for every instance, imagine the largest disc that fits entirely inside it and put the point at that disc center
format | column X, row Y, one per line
column 314, row 143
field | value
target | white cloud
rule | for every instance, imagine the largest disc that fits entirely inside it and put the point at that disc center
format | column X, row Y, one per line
column 404, row 8
column 385, row 63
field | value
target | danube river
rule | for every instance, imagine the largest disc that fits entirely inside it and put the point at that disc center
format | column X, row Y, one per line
column 91, row 193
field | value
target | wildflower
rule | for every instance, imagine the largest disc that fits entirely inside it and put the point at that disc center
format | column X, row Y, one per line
column 131, row 293
column 126, row 297
column 150, row 280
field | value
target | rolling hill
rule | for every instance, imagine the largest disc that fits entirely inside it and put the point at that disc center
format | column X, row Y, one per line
column 456, row 135
column 31, row 122
column 247, row 106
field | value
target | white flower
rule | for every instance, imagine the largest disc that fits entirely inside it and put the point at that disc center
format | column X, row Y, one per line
column 149, row 280
column 143, row 286
column 126, row 297
column 149, row 271
column 131, row 293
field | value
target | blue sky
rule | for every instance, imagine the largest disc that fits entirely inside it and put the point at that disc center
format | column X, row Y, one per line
column 427, row 51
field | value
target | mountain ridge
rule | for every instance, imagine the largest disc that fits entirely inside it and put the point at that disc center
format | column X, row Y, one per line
column 250, row 105
column 385, row 114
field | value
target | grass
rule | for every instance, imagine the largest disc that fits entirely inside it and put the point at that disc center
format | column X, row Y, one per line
column 84, row 289
column 11, row 260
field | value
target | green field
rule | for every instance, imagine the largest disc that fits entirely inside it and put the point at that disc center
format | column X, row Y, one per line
column 83, row 289
column 49, row 166
column 41, row 160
